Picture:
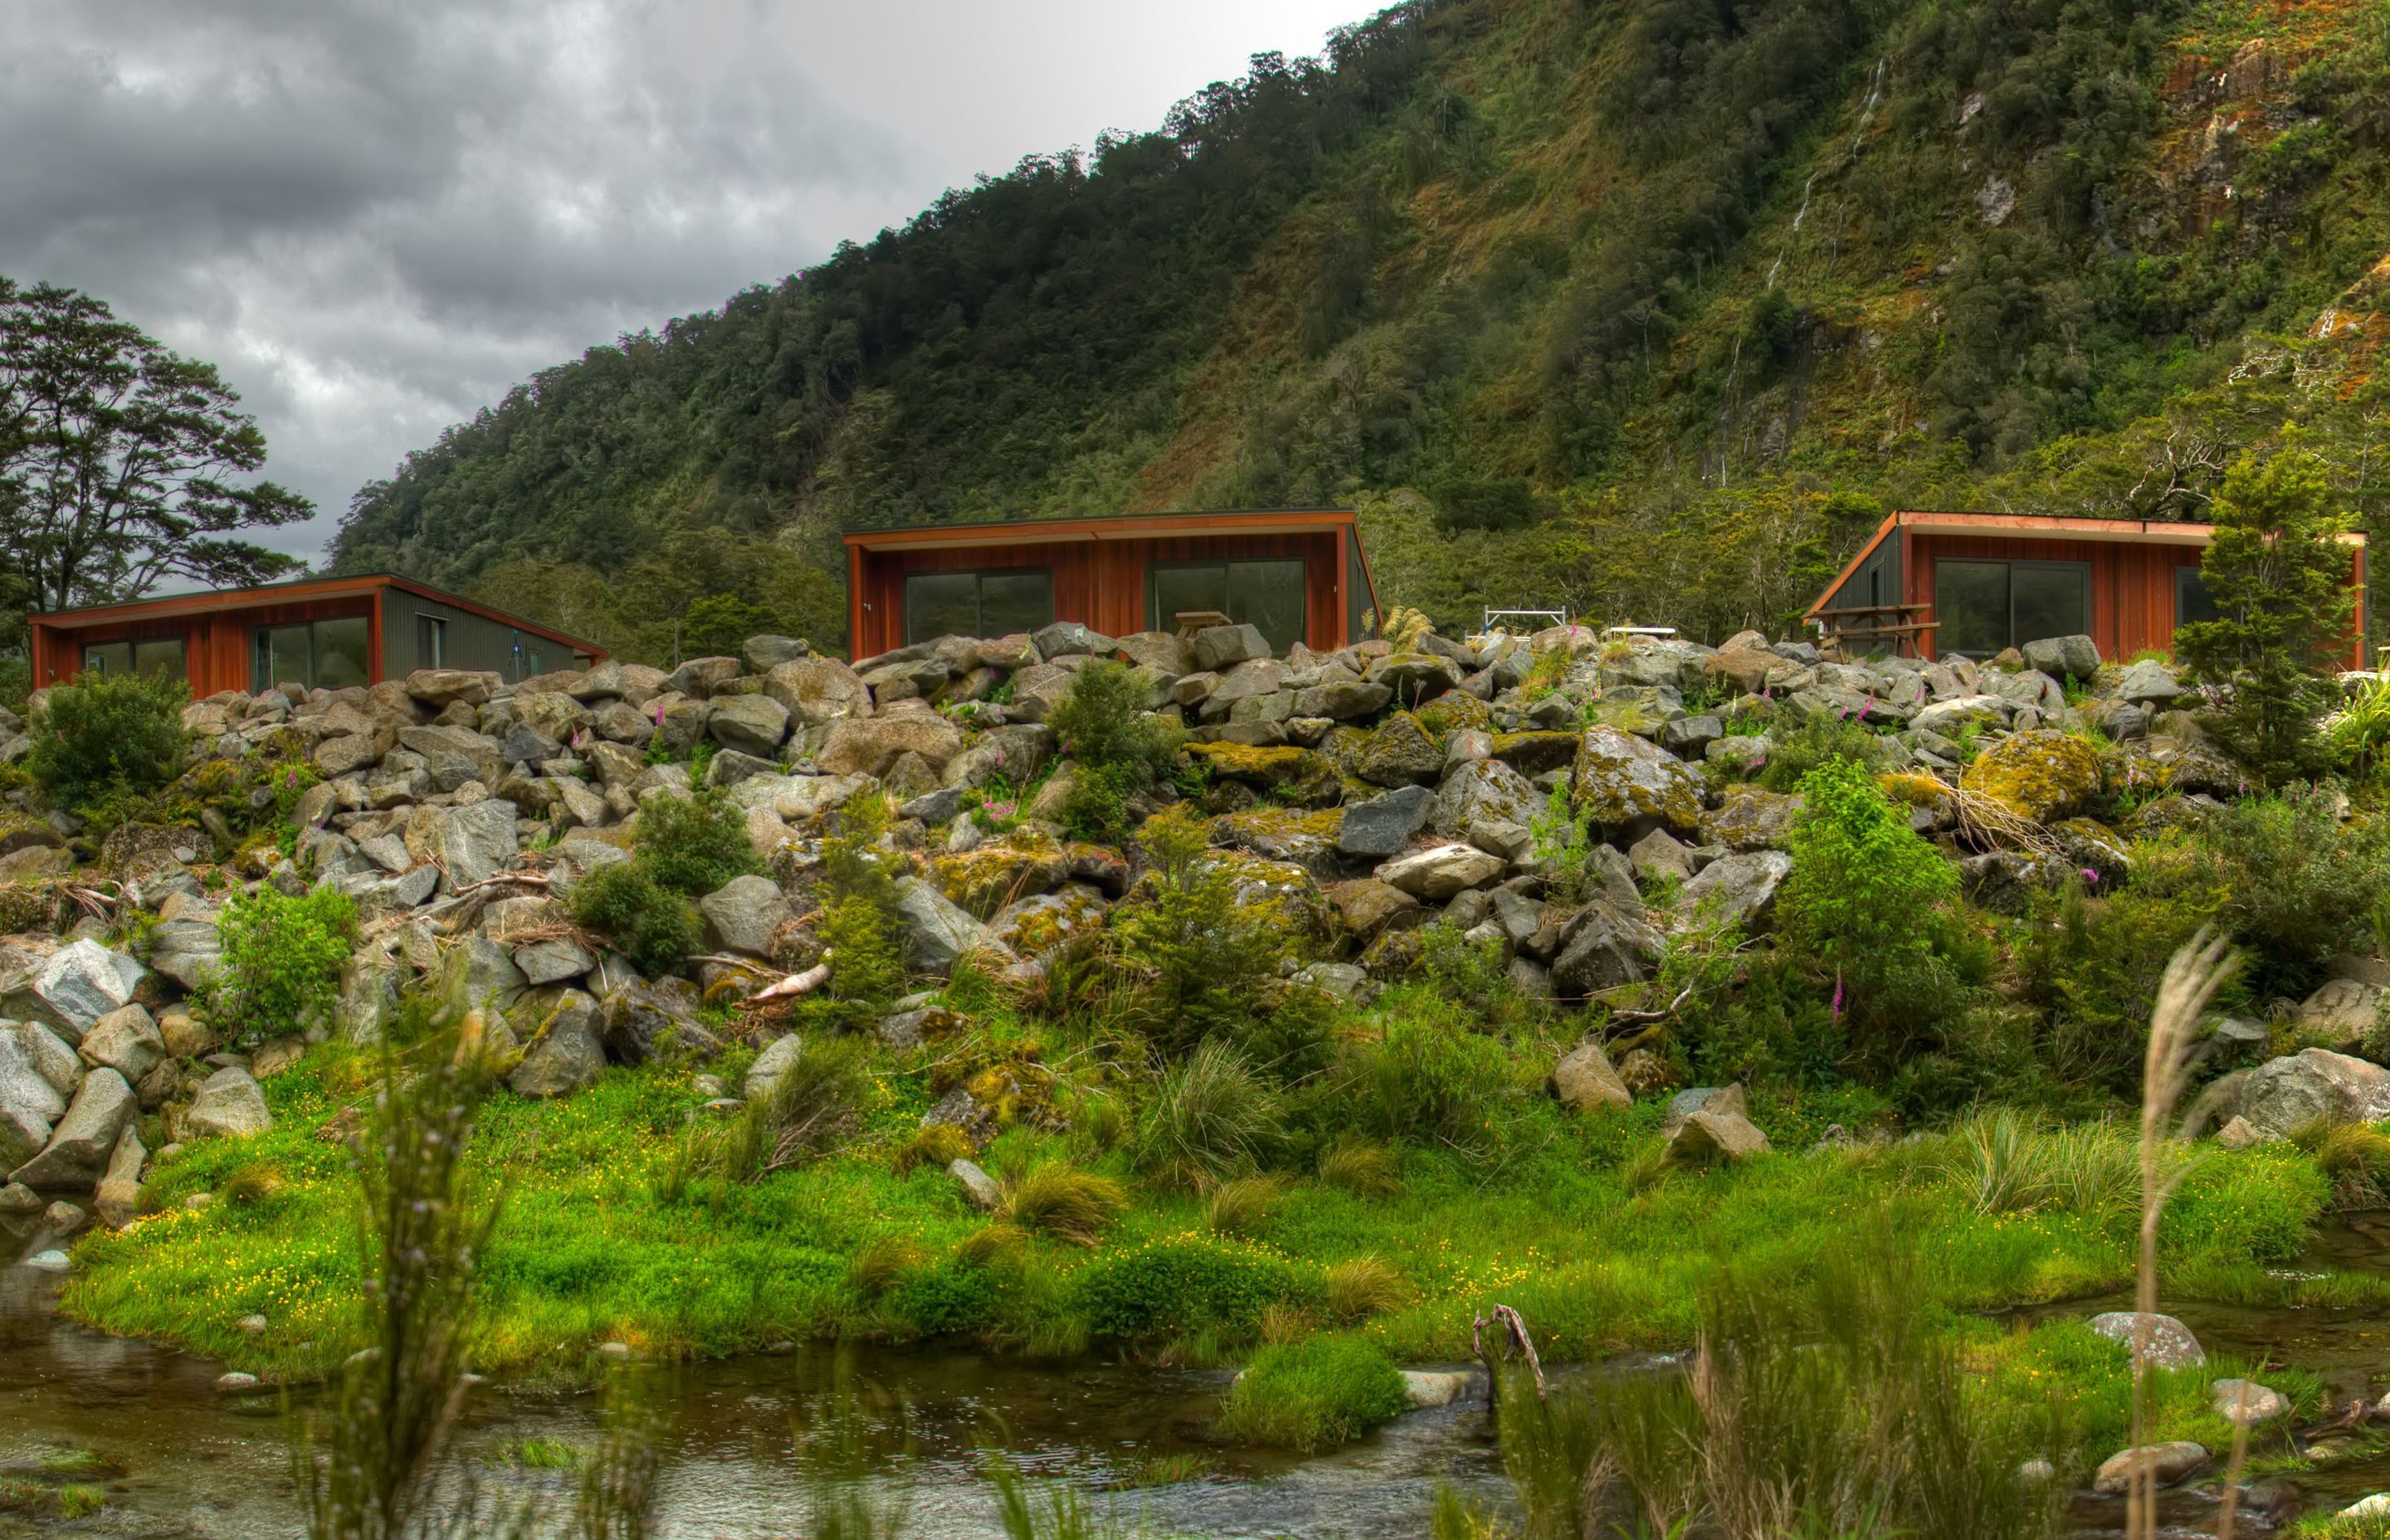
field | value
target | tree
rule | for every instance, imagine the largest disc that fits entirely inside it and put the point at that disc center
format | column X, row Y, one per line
column 113, row 459
column 2280, row 581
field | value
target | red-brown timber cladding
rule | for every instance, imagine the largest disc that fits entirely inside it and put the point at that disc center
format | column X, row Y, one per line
column 1098, row 582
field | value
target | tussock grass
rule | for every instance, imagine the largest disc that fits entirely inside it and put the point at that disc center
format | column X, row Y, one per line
column 1360, row 1166
column 1359, row 1287
column 1067, row 1204
column 1313, row 1395
column 1212, row 1118
column 1243, row 1204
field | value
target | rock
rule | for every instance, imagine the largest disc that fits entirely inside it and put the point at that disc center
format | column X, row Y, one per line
column 1439, row 872
column 1218, row 648
column 977, row 1184
column 2065, row 657
column 2044, row 775
column 229, row 1105
column 1623, row 780
column 551, row 962
column 237, row 1382
column 1691, row 736
column 744, row 912
column 439, row 687
column 1400, row 751
column 567, row 1056
column 49, row 1056
column 1949, row 718
column 118, row 1198
column 475, row 973
column 1708, row 1138
column 2147, row 683
column 80, row 1145
column 871, row 746
column 1486, row 801
column 125, row 1040
column 1341, row 699
column 778, row 1057
column 475, row 842
column 82, row 982
column 1660, row 854
column 2171, row 1345
column 750, row 723
column 2340, row 1009
column 187, row 948
column 2377, row 1506
column 17, row 1200
column 1370, row 908
column 2239, row 1132
column 51, row 1261
column 1704, row 1098
column 936, row 933
column 1427, row 1389
column 1739, row 888
column 1751, row 817
column 814, row 691
column 2246, row 1402
column 2168, row 1462
column 1585, row 1082
column 639, row 1021
column 452, row 756
column 768, row 652
column 1608, row 944
column 2315, row 1085
column 1383, row 826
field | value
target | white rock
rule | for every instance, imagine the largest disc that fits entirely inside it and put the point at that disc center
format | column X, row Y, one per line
column 82, row 982
column 229, row 1105
column 1440, row 872
column 2171, row 1344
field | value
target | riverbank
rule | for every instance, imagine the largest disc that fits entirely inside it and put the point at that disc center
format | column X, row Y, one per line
column 607, row 1235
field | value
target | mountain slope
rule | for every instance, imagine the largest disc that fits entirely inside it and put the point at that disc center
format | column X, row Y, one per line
column 1648, row 305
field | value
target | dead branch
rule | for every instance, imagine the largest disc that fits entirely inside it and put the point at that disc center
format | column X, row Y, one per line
column 1515, row 1344
column 795, row 986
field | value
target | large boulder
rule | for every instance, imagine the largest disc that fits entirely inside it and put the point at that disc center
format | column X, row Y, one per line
column 2147, row 683
column 187, row 948
column 1488, row 802
column 749, row 723
column 2044, row 775
column 1383, row 826
column 869, row 746
column 1739, row 888
column 1400, row 752
column 79, row 1145
column 936, row 933
column 82, row 982
column 453, row 755
column 1622, row 779
column 567, row 1056
column 30, row 1104
column 2314, row 1086
column 1609, row 942
column 125, row 1040
column 229, row 1106
column 1714, row 1138
column 475, row 842
column 2063, row 657
column 1370, row 908
column 743, row 914
column 778, row 1058
column 1751, row 817
column 639, row 1020
column 2166, row 1464
column 2171, row 1343
column 1585, row 1081
column 1438, row 873
column 816, row 690
column 439, row 687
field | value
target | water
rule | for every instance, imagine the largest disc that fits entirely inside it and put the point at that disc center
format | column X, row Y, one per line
column 199, row 1465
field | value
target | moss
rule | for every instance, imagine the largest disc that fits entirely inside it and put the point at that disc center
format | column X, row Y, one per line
column 2044, row 776
column 1531, row 753
column 1455, row 712
column 1022, row 864
column 1293, row 772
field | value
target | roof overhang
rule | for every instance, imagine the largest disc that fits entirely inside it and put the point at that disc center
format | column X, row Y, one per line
column 1141, row 526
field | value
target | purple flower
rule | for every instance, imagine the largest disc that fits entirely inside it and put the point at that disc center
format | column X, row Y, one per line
column 1838, row 995
column 2091, row 876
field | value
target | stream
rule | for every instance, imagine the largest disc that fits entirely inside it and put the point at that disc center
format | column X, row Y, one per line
column 197, row 1463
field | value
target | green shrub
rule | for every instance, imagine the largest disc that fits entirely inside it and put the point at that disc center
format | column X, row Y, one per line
column 1428, row 1078
column 694, row 845
column 1563, row 847
column 2096, row 969
column 655, row 929
column 1313, row 1395
column 2358, row 738
column 109, row 739
column 1067, row 1204
column 280, row 968
column 1868, row 903
column 1207, row 955
column 1211, row 1118
column 2286, row 878
column 1184, row 1285
column 1116, row 746
column 1819, row 740
column 867, row 967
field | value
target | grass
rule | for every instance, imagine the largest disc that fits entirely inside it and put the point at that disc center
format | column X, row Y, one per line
column 538, row 1454
column 1312, row 1394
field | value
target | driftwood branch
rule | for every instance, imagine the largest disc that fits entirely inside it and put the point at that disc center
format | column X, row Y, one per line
column 795, row 986
column 1515, row 1343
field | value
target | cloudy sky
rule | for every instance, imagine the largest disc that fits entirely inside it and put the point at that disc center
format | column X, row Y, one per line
column 376, row 215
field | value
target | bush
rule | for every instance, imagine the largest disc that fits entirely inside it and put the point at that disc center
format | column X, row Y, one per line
column 1819, row 740
column 280, row 968
column 1208, row 955
column 1431, row 1079
column 2096, row 969
column 110, row 738
column 1313, row 1395
column 1211, row 1118
column 815, row 1105
column 866, row 966
column 655, row 929
column 1180, row 1287
column 2287, row 879
column 1116, row 747
column 1362, row 1287
column 695, row 845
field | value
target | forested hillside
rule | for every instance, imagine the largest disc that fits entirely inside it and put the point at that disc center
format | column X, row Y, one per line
column 1651, row 306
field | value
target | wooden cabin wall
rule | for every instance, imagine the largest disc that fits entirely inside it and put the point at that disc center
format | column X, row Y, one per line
column 1100, row 583
column 2132, row 584
column 215, row 643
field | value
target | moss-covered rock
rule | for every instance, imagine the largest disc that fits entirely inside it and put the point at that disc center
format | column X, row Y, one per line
column 1033, row 926
column 1401, row 752
column 1304, row 838
column 1751, row 817
column 1298, row 774
column 2044, row 775
column 1531, row 753
column 1022, row 864
column 1623, row 779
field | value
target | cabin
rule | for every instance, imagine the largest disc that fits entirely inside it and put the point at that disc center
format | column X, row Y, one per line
column 1295, row 575
column 1928, row 584
column 318, row 632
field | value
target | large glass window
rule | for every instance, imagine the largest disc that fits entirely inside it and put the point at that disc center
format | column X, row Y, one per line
column 161, row 655
column 320, row 654
column 2192, row 602
column 998, row 603
column 1986, row 606
column 430, row 642
column 1267, row 596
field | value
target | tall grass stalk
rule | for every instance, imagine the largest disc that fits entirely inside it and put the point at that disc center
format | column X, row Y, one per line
column 2197, row 970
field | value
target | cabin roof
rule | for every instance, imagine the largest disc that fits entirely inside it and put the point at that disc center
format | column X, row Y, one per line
column 215, row 600
column 1119, row 526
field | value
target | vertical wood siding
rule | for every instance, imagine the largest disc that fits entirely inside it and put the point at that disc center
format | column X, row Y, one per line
column 1100, row 583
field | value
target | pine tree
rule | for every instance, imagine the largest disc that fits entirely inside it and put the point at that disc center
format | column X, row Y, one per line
column 2280, row 581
